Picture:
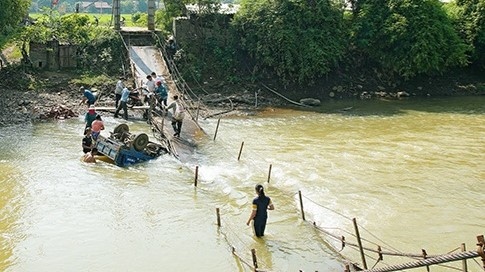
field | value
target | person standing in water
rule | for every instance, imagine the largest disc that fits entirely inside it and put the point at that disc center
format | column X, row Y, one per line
column 261, row 205
column 89, row 157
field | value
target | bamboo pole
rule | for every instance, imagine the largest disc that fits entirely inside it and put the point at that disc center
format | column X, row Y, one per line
column 425, row 254
column 218, row 217
column 480, row 249
column 269, row 172
column 198, row 108
column 240, row 151
column 464, row 264
column 255, row 260
column 379, row 253
column 359, row 241
column 217, row 128
column 196, row 175
column 301, row 206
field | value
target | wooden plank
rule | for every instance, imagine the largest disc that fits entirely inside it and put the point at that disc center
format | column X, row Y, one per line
column 129, row 108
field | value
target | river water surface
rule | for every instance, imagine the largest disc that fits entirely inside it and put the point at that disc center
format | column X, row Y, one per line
column 411, row 172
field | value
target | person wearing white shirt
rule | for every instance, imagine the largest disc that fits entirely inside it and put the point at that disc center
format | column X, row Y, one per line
column 118, row 89
column 150, row 84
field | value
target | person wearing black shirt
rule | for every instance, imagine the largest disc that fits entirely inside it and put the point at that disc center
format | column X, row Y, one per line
column 261, row 205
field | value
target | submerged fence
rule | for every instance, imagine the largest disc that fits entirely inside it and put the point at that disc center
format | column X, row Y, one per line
column 248, row 256
column 423, row 259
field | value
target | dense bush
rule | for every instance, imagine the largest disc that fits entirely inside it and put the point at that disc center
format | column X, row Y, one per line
column 408, row 37
column 12, row 12
column 470, row 18
column 99, row 48
column 298, row 40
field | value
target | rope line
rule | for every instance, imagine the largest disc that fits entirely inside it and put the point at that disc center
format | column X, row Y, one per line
column 394, row 252
column 427, row 262
column 245, row 245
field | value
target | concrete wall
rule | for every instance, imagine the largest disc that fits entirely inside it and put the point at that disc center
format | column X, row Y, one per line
column 52, row 55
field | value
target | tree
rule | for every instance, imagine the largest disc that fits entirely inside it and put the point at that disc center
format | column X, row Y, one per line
column 12, row 12
column 298, row 40
column 471, row 23
column 99, row 48
column 408, row 37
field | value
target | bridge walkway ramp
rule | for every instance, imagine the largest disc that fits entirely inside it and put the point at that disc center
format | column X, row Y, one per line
column 144, row 61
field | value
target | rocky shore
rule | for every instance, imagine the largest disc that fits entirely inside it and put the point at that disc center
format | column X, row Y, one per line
column 53, row 96
column 34, row 97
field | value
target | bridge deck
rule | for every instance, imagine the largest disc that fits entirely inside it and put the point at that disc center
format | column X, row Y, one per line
column 148, row 59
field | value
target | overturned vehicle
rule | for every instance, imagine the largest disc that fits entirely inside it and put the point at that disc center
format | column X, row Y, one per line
column 124, row 148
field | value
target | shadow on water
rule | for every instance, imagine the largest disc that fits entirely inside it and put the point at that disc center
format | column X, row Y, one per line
column 390, row 107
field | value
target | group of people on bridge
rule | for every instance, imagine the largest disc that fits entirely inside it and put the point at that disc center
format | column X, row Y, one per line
column 153, row 92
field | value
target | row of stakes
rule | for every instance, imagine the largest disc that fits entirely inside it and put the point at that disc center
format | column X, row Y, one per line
column 254, row 265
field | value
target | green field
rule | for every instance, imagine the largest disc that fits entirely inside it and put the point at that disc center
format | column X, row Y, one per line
column 103, row 19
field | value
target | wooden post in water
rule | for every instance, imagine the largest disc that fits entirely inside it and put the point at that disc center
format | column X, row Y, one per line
column 359, row 241
column 196, row 175
column 255, row 260
column 379, row 253
column 301, row 206
column 269, row 172
column 240, row 151
column 217, row 128
column 218, row 217
column 423, row 251
column 464, row 265
column 480, row 249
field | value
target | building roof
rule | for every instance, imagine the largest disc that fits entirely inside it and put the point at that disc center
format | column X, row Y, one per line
column 96, row 4
column 223, row 9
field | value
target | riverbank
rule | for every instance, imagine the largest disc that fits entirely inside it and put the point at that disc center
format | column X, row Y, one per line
column 37, row 96
column 40, row 96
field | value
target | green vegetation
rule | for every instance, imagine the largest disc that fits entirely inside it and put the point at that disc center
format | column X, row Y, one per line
column 471, row 23
column 89, row 79
column 293, row 42
column 99, row 48
column 12, row 12
column 297, row 40
column 408, row 37
column 69, row 6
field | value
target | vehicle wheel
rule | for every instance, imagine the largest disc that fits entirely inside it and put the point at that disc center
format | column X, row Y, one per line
column 121, row 128
column 140, row 141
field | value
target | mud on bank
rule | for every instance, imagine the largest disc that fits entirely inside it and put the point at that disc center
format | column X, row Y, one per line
column 37, row 96
column 41, row 96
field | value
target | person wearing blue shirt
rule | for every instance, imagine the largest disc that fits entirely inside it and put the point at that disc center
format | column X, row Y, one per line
column 161, row 92
column 123, row 103
column 88, row 96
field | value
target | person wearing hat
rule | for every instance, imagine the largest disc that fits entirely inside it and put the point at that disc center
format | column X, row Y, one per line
column 97, row 126
column 88, row 96
column 90, row 116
